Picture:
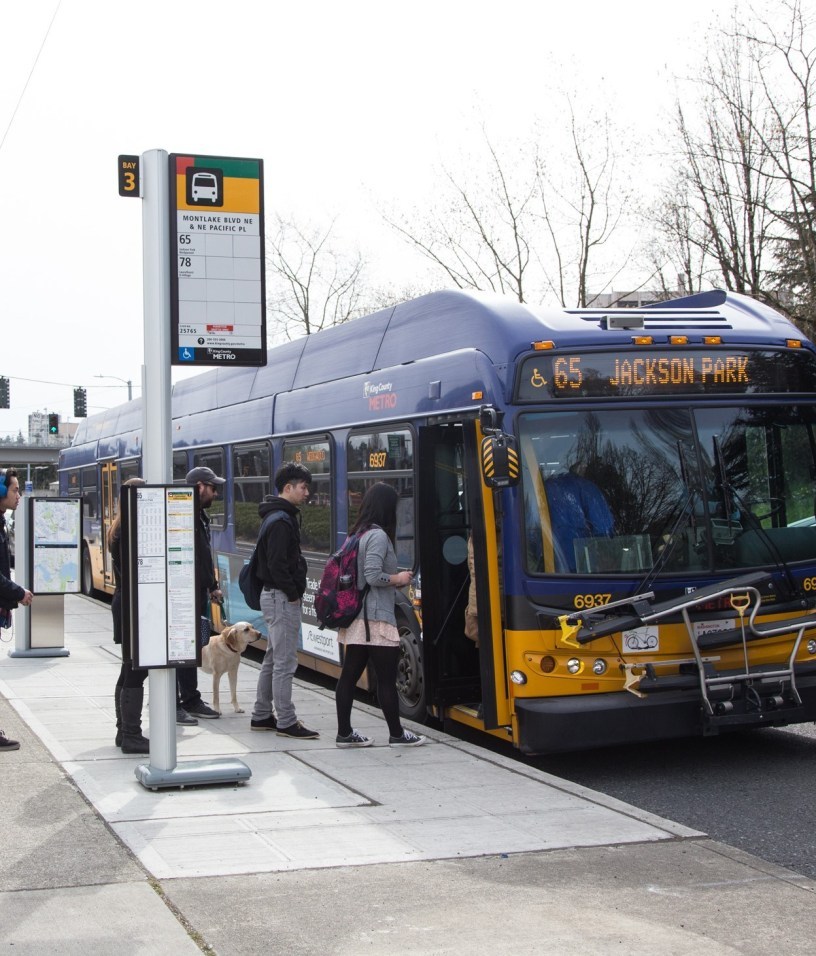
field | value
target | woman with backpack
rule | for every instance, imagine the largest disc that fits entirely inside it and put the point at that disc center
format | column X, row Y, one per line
column 372, row 635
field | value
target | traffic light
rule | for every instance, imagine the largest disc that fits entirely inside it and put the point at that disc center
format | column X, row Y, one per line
column 53, row 423
column 4, row 392
column 80, row 403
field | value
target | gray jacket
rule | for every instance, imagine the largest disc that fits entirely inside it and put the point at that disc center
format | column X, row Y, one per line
column 376, row 561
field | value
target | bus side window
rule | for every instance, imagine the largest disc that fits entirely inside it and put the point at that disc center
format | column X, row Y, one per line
column 180, row 467
column 213, row 458
column 251, row 469
column 316, row 514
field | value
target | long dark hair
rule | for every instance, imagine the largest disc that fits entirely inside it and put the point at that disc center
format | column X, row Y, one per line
column 379, row 506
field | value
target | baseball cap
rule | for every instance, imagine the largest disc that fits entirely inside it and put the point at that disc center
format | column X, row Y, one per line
column 205, row 475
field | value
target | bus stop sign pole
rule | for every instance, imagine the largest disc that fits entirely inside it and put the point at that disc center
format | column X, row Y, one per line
column 163, row 770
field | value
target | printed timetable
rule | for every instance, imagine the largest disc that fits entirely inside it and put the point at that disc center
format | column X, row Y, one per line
column 166, row 615
column 218, row 297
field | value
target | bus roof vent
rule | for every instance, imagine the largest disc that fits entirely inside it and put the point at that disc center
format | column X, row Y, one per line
column 654, row 318
column 622, row 320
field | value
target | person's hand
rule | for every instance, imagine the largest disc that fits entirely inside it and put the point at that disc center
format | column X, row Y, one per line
column 217, row 595
column 403, row 579
column 26, row 599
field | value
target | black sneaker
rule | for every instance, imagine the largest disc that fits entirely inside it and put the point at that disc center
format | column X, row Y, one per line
column 6, row 744
column 298, row 731
column 354, row 739
column 183, row 718
column 201, row 710
column 406, row 740
column 267, row 723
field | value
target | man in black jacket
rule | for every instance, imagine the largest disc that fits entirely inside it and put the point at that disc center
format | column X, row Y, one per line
column 282, row 569
column 190, row 705
column 11, row 594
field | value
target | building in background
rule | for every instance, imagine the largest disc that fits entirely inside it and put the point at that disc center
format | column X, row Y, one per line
column 38, row 433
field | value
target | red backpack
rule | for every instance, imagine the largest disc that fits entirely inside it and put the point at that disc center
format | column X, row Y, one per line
column 339, row 600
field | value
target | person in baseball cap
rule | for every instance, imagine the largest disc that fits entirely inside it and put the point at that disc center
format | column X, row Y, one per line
column 190, row 706
column 205, row 475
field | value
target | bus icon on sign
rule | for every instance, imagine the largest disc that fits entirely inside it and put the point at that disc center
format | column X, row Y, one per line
column 205, row 187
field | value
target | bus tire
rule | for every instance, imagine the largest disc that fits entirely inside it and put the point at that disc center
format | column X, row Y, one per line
column 410, row 676
column 87, row 572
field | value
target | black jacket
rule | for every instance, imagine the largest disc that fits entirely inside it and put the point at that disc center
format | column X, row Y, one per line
column 205, row 569
column 10, row 593
column 281, row 564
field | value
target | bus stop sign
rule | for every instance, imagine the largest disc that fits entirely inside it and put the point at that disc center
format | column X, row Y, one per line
column 218, row 292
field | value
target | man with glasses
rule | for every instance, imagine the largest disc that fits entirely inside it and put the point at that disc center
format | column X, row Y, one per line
column 190, row 705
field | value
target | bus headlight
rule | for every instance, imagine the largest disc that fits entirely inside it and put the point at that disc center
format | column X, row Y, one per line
column 518, row 677
column 599, row 667
column 811, row 647
column 574, row 665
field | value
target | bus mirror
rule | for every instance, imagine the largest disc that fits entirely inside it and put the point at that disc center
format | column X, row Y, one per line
column 500, row 461
column 490, row 419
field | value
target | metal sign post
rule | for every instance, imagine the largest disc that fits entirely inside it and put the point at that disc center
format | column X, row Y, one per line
column 157, row 469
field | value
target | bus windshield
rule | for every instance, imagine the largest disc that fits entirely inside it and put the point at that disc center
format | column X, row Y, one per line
column 619, row 491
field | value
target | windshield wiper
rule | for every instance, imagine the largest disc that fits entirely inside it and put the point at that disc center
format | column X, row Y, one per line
column 687, row 511
column 730, row 497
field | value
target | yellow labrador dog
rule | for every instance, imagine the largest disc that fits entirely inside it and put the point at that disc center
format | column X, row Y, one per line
column 223, row 655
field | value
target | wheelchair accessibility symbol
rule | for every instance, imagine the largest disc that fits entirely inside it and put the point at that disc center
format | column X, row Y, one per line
column 537, row 380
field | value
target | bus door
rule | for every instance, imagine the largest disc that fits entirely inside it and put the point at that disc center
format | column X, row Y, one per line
column 451, row 518
column 109, row 506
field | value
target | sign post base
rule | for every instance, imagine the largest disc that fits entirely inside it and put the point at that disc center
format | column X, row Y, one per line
column 40, row 652
column 193, row 773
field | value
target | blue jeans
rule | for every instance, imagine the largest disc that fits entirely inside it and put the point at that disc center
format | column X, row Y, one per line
column 282, row 618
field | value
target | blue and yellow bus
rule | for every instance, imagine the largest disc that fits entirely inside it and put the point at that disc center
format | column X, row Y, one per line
column 635, row 489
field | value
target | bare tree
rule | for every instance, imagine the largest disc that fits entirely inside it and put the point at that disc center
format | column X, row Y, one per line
column 739, row 210
column 581, row 204
column 312, row 285
column 528, row 222
column 727, row 169
column 786, row 66
column 480, row 238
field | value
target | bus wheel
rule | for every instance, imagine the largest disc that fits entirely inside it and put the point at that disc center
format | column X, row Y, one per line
column 410, row 679
column 87, row 572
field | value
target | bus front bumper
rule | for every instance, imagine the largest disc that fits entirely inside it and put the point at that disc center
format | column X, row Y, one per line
column 561, row 724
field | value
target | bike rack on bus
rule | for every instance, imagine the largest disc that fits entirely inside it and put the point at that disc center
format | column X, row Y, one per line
column 748, row 694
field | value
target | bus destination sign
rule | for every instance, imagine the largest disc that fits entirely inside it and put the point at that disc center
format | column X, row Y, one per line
column 218, row 298
column 665, row 372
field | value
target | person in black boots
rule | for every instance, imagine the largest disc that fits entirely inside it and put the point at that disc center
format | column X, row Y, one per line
column 128, row 696
column 11, row 594
column 190, row 705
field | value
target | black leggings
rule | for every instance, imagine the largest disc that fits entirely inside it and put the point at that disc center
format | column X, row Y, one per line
column 130, row 676
column 384, row 661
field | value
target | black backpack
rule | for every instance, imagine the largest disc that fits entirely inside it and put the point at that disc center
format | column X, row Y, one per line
column 248, row 581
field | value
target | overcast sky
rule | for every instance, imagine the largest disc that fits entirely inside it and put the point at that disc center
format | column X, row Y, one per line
column 350, row 105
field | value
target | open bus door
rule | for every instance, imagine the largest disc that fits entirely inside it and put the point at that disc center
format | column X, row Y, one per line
column 460, row 678
column 109, row 506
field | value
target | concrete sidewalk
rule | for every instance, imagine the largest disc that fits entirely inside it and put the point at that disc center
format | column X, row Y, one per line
column 438, row 849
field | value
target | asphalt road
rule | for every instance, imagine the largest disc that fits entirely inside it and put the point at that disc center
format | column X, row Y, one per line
column 752, row 790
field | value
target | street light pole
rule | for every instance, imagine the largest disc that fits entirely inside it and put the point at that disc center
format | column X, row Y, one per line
column 123, row 381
